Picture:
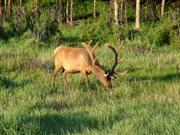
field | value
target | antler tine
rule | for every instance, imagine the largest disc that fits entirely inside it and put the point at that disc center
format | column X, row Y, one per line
column 121, row 46
column 95, row 46
column 89, row 43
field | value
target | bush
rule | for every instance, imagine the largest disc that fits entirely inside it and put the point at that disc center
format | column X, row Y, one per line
column 162, row 37
column 100, row 30
column 19, row 20
column 42, row 24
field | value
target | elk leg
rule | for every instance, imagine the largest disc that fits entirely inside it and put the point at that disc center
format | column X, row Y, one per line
column 55, row 73
column 85, row 77
column 64, row 78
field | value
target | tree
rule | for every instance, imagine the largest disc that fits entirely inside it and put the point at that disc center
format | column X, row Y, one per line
column 116, row 12
column 58, row 15
column 8, row 7
column 94, row 14
column 0, row 8
column 5, row 5
column 122, row 11
column 125, row 8
column 138, row 14
column 71, row 12
column 67, row 11
column 154, row 11
column 162, row 8
column 20, row 4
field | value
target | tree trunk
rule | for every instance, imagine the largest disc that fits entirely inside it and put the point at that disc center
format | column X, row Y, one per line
column 59, row 11
column 5, row 3
column 67, row 11
column 94, row 14
column 146, row 11
column 116, row 12
column 36, row 5
column 122, row 11
column 0, row 8
column 162, row 8
column 154, row 11
column 125, row 6
column 71, row 13
column 20, row 3
column 56, row 5
column 138, row 14
column 8, row 7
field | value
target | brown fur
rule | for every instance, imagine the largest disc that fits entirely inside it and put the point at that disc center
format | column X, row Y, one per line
column 75, row 60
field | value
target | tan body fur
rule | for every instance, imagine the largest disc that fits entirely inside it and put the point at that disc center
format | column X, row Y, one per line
column 75, row 60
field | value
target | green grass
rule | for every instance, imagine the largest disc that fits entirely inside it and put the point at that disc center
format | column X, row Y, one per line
column 143, row 101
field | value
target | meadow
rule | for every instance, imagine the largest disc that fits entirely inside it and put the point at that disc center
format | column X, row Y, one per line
column 145, row 100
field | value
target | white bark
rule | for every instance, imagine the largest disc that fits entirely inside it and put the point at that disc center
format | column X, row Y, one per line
column 67, row 11
column 138, row 12
column 116, row 12
column 5, row 3
column 162, row 8
column 71, row 13
column 20, row 3
column 0, row 8
column 94, row 14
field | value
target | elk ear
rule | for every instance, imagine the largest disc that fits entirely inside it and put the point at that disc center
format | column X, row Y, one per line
column 83, row 43
column 105, row 75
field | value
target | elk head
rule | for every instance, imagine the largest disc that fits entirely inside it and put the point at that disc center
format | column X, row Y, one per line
column 104, row 76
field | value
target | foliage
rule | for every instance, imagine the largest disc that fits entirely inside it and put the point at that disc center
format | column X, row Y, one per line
column 19, row 20
column 43, row 25
column 145, row 100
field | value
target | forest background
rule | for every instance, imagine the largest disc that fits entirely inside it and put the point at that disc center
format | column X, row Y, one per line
column 144, row 100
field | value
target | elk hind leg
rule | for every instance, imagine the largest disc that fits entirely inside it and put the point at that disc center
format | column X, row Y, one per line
column 56, row 69
column 64, row 79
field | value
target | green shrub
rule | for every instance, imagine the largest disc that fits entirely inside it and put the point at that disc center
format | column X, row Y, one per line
column 43, row 25
column 19, row 20
column 162, row 37
column 101, row 30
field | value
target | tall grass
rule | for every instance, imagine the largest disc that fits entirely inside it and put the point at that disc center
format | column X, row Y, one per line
column 145, row 100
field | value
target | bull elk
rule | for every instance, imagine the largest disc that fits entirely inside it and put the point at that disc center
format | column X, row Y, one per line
column 76, row 60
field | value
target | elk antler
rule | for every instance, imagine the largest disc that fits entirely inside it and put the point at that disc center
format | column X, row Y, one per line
column 95, row 46
column 91, row 51
column 89, row 43
column 112, row 71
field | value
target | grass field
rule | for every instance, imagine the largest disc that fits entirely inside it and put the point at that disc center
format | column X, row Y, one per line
column 145, row 100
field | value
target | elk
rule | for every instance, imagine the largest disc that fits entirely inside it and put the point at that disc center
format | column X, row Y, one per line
column 76, row 60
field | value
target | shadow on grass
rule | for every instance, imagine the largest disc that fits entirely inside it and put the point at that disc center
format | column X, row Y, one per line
column 10, row 83
column 74, row 122
column 167, row 78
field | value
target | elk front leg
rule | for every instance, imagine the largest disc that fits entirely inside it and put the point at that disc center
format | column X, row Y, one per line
column 64, row 79
column 85, row 78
